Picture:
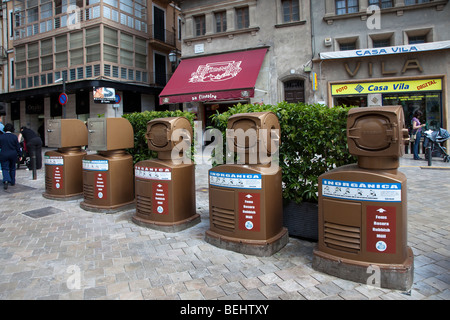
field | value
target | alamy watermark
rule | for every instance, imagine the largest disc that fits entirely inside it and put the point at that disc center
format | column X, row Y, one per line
column 74, row 280
column 374, row 279
column 73, row 17
column 374, row 20
column 251, row 146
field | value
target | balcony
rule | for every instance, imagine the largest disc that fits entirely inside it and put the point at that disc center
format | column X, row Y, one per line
column 162, row 38
column 159, row 79
column 3, row 54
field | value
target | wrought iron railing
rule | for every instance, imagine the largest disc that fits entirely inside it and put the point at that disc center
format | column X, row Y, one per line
column 163, row 35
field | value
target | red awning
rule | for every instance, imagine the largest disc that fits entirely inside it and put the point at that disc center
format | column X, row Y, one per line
column 228, row 76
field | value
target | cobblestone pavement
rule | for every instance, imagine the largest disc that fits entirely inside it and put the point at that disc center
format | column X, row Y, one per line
column 113, row 258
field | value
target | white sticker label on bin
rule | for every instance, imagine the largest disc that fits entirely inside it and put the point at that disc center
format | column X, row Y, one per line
column 362, row 191
column 153, row 173
column 54, row 160
column 235, row 180
column 95, row 165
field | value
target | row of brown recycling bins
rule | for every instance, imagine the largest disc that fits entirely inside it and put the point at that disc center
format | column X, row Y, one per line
column 356, row 232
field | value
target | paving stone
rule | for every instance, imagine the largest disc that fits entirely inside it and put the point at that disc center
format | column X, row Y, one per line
column 118, row 259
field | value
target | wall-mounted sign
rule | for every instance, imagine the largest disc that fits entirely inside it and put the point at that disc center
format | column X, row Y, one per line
column 438, row 45
column 104, row 95
column 385, row 87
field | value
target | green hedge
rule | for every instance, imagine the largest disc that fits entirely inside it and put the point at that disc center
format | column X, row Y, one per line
column 313, row 141
column 139, row 121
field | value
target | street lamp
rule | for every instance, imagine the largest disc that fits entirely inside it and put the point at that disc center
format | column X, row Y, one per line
column 64, row 91
column 173, row 58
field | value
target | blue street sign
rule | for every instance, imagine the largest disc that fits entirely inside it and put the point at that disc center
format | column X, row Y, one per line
column 63, row 98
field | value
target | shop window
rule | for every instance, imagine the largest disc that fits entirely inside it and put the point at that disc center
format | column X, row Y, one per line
column 82, row 105
column 346, row 6
column 55, row 107
column 430, row 103
column 355, row 101
column 131, row 102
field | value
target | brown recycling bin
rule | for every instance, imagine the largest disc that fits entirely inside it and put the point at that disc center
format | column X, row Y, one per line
column 108, row 181
column 165, row 187
column 245, row 200
column 63, row 167
column 363, row 207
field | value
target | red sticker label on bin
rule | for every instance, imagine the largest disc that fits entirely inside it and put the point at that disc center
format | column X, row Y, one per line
column 58, row 177
column 381, row 226
column 249, row 211
column 160, row 199
column 100, row 185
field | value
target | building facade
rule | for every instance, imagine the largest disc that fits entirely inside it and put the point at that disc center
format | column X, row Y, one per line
column 230, row 28
column 73, row 46
column 373, row 53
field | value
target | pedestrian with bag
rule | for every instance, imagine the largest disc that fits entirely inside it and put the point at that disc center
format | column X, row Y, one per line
column 9, row 151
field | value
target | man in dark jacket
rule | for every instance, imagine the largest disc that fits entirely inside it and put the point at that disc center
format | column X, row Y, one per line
column 33, row 143
column 9, row 151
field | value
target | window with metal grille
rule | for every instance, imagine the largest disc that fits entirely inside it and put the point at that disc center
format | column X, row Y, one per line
column 96, row 70
column 72, row 74
column 115, row 71
column 80, row 74
column 107, row 70
column 88, row 71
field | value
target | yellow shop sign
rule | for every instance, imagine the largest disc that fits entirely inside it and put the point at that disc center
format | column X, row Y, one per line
column 384, row 87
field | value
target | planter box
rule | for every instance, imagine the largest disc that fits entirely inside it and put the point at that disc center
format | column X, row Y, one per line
column 301, row 220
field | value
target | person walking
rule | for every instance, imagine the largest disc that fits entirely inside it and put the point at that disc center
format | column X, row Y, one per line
column 33, row 144
column 9, row 151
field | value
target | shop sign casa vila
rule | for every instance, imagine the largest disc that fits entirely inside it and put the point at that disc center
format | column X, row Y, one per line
column 386, row 87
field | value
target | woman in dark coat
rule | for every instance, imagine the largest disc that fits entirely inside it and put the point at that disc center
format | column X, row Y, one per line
column 9, row 151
